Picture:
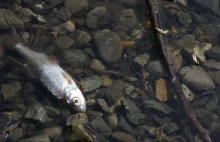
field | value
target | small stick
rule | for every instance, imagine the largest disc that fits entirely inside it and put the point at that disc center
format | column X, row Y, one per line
column 128, row 43
column 175, row 81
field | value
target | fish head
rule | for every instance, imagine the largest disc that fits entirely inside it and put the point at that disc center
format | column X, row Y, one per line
column 75, row 98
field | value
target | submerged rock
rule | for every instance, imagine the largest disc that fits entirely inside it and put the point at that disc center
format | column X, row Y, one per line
column 54, row 131
column 100, row 126
column 197, row 78
column 214, row 53
column 113, row 120
column 109, row 45
column 77, row 7
column 157, row 106
column 40, row 137
column 9, row 19
column 64, row 42
column 123, row 124
column 37, row 112
column 91, row 83
column 96, row 65
column 184, row 18
column 142, row 59
column 209, row 4
column 156, row 68
column 211, row 65
column 114, row 92
column 128, row 18
column 93, row 16
column 65, row 28
column 74, row 57
column 122, row 137
column 215, row 75
column 11, row 90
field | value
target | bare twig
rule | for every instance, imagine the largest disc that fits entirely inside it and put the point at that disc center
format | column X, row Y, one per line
column 175, row 81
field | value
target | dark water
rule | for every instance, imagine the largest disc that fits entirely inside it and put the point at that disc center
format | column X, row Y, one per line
column 128, row 90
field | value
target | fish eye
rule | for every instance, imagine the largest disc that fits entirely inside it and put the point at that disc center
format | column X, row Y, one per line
column 76, row 101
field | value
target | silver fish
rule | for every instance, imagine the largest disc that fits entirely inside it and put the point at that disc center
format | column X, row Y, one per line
column 53, row 77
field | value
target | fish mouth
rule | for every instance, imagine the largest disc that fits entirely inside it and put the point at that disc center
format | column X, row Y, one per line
column 81, row 108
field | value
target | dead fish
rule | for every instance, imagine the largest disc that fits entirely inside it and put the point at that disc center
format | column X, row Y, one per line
column 47, row 71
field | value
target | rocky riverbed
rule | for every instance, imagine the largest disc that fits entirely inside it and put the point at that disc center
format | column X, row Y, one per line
column 109, row 48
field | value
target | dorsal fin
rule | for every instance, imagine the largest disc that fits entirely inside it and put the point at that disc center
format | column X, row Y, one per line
column 52, row 60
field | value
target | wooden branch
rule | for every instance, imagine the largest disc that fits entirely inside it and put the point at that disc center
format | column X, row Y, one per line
column 175, row 80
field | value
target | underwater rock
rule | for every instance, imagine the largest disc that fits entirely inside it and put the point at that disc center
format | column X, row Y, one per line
column 77, row 7
column 109, row 45
column 100, row 126
column 37, row 112
column 64, row 42
column 122, row 137
column 197, row 78
column 90, row 84
column 74, row 57
column 9, row 19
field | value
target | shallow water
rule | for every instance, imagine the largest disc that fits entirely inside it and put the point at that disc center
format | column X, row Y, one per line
column 121, row 71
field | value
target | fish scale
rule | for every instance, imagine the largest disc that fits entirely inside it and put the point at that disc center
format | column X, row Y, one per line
column 53, row 78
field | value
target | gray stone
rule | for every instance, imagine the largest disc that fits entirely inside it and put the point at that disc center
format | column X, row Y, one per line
column 93, row 16
column 77, row 7
column 197, row 18
column 184, row 18
column 187, row 41
column 156, row 68
column 109, row 45
column 215, row 75
column 64, row 42
column 129, row 89
column 102, row 103
column 129, row 105
column 37, row 112
column 214, row 53
column 65, row 28
column 122, row 137
column 40, row 137
column 9, row 19
column 136, row 118
column 210, row 30
column 113, row 120
column 63, row 14
column 99, row 125
column 11, row 90
column 142, row 59
column 91, row 83
column 54, row 131
column 211, row 65
column 93, row 115
column 196, row 78
column 15, row 134
column 170, row 8
column 96, row 65
column 82, row 37
column 128, row 18
column 209, row 4
column 52, row 22
column 170, row 128
column 74, row 57
column 123, row 124
column 150, row 103
column 114, row 92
